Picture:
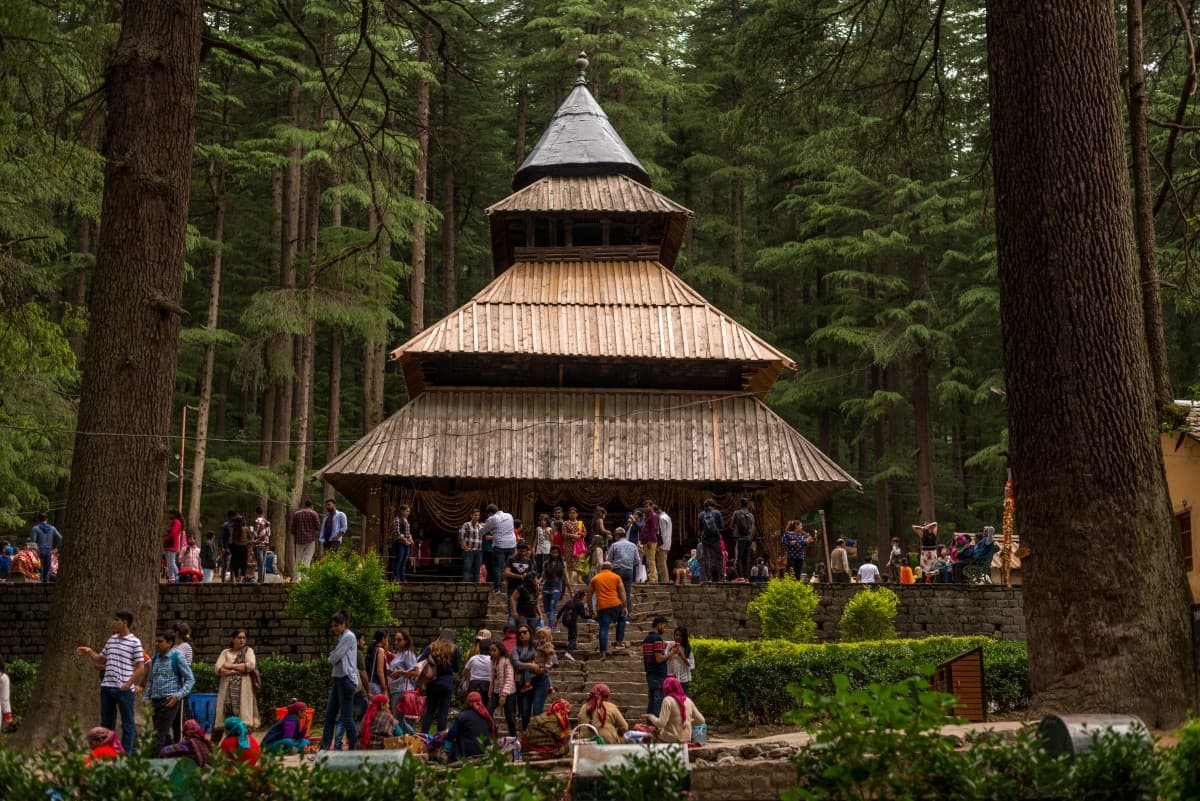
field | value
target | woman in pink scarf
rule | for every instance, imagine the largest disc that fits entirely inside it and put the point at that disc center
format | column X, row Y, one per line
column 678, row 714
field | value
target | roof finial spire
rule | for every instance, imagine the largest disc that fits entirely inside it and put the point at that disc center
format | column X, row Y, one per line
column 581, row 64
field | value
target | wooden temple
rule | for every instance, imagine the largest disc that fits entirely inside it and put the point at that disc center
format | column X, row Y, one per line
column 586, row 373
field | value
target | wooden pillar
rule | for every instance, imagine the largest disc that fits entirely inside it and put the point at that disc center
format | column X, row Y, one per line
column 373, row 522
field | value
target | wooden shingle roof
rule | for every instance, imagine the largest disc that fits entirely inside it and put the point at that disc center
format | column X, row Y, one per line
column 605, row 310
column 618, row 194
column 585, row 435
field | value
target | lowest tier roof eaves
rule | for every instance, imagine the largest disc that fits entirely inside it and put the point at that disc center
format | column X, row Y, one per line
column 610, row 309
column 587, row 435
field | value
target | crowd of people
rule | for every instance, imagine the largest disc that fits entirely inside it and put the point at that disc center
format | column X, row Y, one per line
column 378, row 691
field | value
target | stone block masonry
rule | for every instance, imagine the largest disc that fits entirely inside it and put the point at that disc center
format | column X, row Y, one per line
column 925, row 609
column 215, row 610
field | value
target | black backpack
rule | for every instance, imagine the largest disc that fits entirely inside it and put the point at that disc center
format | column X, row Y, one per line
column 743, row 524
column 708, row 526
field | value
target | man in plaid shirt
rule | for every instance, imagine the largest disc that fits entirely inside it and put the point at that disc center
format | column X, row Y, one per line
column 470, row 539
column 306, row 523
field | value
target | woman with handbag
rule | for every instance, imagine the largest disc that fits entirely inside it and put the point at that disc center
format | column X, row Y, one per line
column 442, row 661
column 237, row 696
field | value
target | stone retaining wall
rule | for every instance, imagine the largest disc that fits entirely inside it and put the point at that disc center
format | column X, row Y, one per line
column 214, row 610
column 925, row 609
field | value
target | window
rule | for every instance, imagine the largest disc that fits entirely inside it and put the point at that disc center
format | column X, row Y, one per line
column 1184, row 519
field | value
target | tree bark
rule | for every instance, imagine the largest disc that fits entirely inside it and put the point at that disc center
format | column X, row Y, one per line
column 284, row 355
column 200, row 452
column 83, row 239
column 131, row 356
column 1080, row 399
column 522, row 121
column 1143, row 213
column 923, row 427
column 883, row 538
column 420, row 185
column 334, row 432
column 449, row 187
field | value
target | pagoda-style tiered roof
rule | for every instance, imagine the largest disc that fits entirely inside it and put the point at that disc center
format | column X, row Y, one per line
column 590, row 313
column 581, row 435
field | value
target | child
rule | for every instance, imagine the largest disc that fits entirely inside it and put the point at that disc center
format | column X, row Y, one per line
column 545, row 654
column 681, row 572
column 569, row 615
column 6, row 558
column 760, row 573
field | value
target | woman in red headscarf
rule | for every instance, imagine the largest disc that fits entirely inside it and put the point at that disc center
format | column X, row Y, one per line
column 678, row 714
column 603, row 715
column 472, row 732
column 378, row 724
column 104, row 744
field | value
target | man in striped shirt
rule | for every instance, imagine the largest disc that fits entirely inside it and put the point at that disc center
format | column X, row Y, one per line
column 121, row 663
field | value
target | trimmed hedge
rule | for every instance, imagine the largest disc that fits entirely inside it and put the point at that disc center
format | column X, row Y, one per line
column 762, row 671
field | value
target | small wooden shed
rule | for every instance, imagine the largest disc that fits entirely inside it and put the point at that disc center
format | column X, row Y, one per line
column 962, row 677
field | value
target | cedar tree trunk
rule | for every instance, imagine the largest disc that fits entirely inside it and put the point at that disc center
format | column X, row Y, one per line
column 129, row 367
column 1108, row 631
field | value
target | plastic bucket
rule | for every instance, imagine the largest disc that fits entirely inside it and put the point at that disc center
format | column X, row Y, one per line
column 203, row 707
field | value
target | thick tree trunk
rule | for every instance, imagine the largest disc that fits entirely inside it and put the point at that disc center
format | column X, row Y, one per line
column 305, row 390
column 372, row 367
column 420, row 186
column 883, row 536
column 284, row 356
column 200, row 452
column 132, row 344
column 923, row 427
column 738, row 212
column 1143, row 213
column 1080, row 400
column 449, row 214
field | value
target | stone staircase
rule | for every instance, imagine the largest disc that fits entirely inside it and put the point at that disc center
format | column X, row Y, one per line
column 622, row 671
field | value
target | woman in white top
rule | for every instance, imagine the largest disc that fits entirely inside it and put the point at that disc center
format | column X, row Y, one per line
column 479, row 671
column 235, row 697
column 402, row 676
column 6, row 713
column 541, row 543
column 682, row 661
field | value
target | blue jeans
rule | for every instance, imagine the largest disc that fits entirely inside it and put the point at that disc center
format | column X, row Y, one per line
column 339, row 713
column 627, row 580
column 499, row 557
column 399, row 565
column 260, row 559
column 112, row 700
column 614, row 614
column 533, row 701
column 47, row 556
column 472, row 560
column 654, row 694
column 551, row 594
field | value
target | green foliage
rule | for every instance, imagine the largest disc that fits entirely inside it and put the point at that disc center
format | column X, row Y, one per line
column 61, row 774
column 1182, row 774
column 883, row 742
column 785, row 609
column 749, row 681
column 645, row 777
column 870, row 615
column 283, row 680
column 343, row 580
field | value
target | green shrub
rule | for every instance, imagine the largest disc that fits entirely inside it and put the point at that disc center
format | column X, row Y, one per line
column 648, row 777
column 343, row 580
column 748, row 682
column 883, row 742
column 1182, row 768
column 785, row 610
column 282, row 681
column 870, row 615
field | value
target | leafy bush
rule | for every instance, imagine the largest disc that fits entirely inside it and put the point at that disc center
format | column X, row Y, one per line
column 785, row 610
column 343, row 580
column 883, row 742
column 870, row 615
column 1182, row 768
column 51, row 774
column 648, row 777
column 748, row 682
column 282, row 681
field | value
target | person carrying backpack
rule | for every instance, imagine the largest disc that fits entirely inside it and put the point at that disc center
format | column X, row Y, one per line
column 743, row 536
column 710, row 524
column 171, row 680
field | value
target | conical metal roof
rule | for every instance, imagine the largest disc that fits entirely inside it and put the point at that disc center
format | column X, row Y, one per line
column 579, row 140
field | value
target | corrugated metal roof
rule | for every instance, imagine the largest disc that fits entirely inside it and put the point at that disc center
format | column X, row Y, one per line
column 603, row 193
column 579, row 140
column 595, row 309
column 576, row 435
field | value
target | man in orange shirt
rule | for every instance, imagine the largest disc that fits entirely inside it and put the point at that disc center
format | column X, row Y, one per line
column 606, row 599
